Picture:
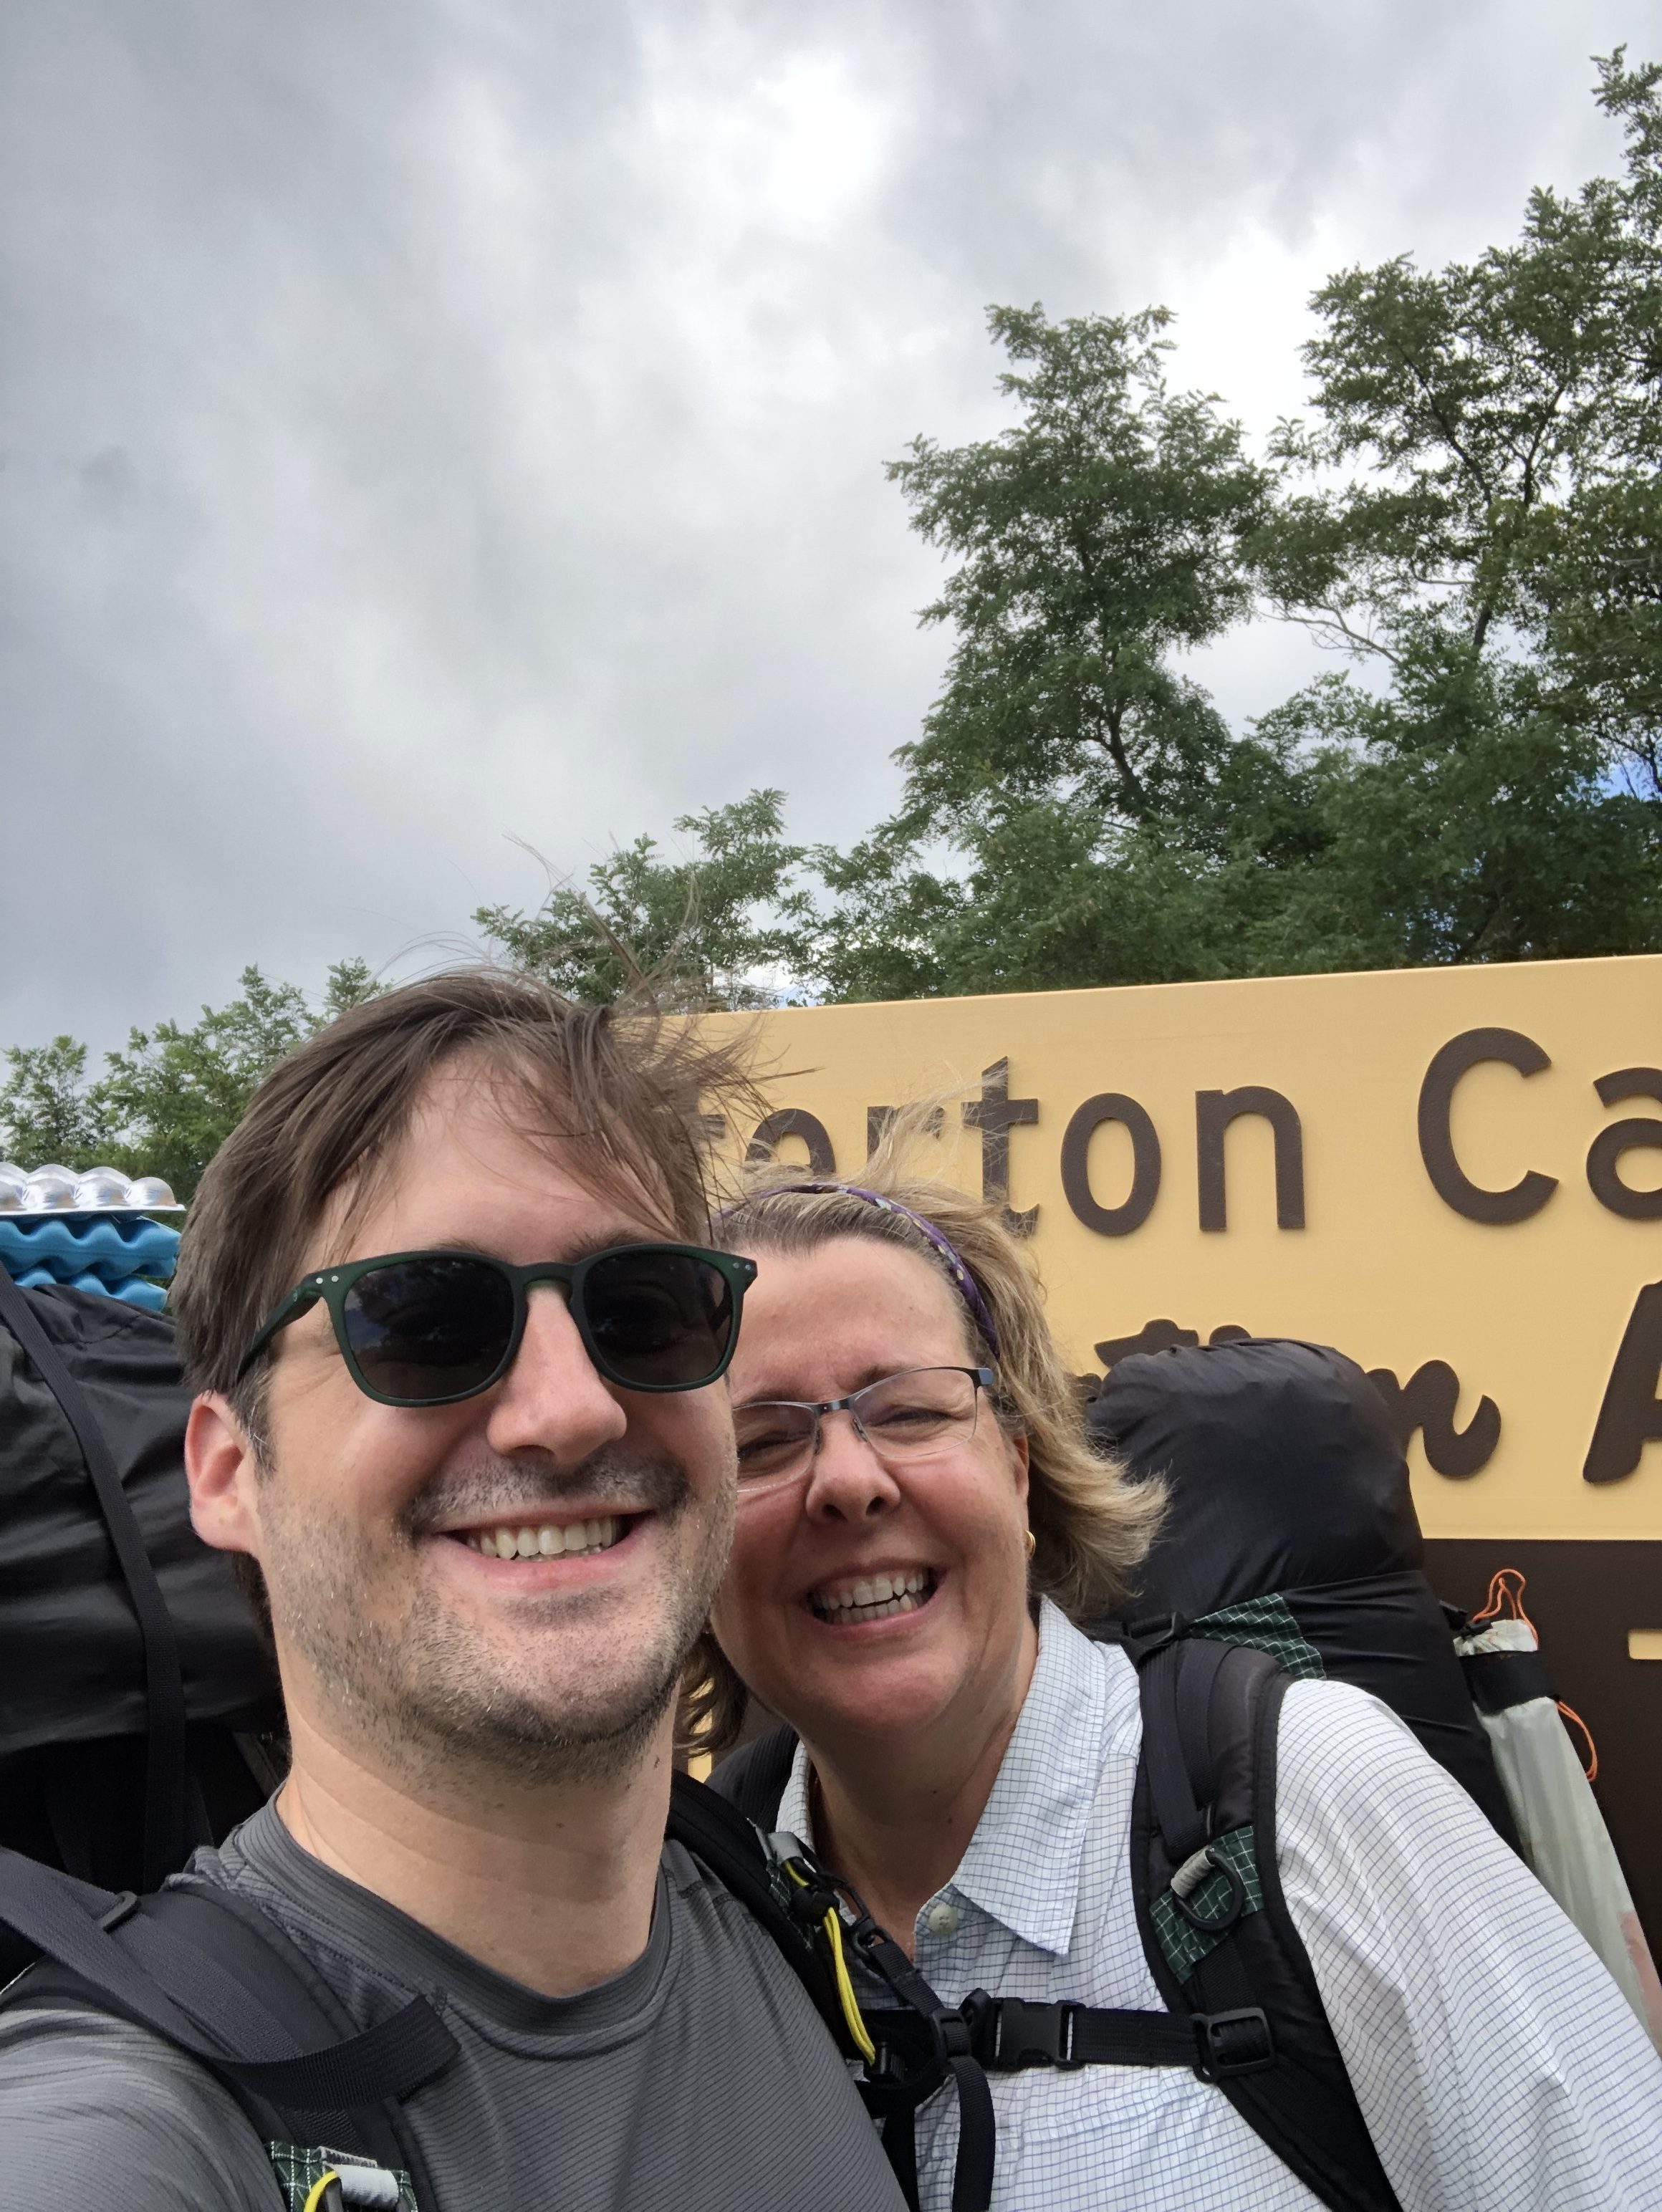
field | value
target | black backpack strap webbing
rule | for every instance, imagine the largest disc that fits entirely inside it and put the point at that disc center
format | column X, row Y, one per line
column 168, row 1799
column 715, row 1830
column 218, row 1980
column 1220, row 1941
column 754, row 1777
column 1009, row 2034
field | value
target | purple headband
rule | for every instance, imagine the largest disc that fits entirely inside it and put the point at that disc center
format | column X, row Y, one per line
column 969, row 1290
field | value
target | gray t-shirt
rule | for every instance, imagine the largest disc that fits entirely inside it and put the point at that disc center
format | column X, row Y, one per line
column 699, row 2077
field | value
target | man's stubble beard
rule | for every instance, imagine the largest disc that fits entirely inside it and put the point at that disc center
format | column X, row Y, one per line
column 423, row 1692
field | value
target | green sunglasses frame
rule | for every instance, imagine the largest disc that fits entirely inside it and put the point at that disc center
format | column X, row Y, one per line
column 331, row 1285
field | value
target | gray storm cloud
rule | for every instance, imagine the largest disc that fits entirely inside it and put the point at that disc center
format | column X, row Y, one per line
column 427, row 425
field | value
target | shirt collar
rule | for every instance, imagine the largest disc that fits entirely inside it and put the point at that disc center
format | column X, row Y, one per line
column 1022, row 1866
column 1023, row 1863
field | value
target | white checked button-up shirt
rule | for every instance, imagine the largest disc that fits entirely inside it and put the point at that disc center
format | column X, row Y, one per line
column 1497, row 2064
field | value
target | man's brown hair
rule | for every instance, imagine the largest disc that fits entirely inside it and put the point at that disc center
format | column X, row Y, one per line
column 625, row 1092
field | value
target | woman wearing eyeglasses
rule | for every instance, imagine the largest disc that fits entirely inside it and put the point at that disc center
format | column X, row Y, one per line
column 921, row 1524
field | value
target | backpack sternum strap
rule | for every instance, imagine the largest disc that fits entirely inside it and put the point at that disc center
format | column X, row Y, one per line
column 1008, row 2034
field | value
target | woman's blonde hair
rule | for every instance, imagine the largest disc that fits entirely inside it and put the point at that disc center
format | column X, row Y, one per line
column 1091, row 1526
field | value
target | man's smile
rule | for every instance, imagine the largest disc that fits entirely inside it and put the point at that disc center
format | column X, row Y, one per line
column 547, row 1540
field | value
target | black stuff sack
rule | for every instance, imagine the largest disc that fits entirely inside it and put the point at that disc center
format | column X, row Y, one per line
column 116, row 1621
column 1291, row 1526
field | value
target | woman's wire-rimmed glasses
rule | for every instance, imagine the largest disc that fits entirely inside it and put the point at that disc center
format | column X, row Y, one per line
column 430, row 1328
column 920, row 1414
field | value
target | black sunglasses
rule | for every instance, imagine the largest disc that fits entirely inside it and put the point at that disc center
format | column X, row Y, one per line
column 428, row 1328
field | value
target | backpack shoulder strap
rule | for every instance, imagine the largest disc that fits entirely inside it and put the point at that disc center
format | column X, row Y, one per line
column 218, row 1978
column 754, row 1778
column 1215, row 1927
column 722, row 1835
column 898, row 2072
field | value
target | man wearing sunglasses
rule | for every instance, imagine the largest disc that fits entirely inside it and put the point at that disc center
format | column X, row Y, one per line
column 458, row 1340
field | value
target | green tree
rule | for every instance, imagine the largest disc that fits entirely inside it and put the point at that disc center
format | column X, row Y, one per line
column 723, row 927
column 167, row 1101
column 1471, row 516
column 1099, row 536
column 1492, row 794
column 49, row 1112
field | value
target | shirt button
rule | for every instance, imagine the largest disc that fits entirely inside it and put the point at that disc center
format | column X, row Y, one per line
column 942, row 1918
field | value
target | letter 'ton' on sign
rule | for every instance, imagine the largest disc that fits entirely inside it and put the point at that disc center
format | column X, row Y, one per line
column 1448, row 1178
column 1134, row 1209
column 794, row 1121
column 1213, row 1112
column 995, row 1114
column 1641, row 1130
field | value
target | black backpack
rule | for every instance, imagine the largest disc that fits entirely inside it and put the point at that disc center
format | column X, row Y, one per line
column 146, row 1697
column 140, row 1696
column 1290, row 1551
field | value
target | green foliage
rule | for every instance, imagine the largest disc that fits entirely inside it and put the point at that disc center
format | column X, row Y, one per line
column 48, row 1112
column 709, row 931
column 1472, row 517
column 1100, row 535
column 170, row 1100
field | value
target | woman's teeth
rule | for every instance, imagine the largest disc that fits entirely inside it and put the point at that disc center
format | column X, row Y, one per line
column 876, row 1597
column 548, row 1541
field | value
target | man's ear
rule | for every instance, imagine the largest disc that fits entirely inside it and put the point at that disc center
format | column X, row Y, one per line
column 221, row 1469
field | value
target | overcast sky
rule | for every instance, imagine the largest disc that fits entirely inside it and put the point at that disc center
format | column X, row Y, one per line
column 428, row 424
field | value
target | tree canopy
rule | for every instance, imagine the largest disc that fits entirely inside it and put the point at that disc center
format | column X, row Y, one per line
column 1468, row 519
column 167, row 1102
column 709, row 931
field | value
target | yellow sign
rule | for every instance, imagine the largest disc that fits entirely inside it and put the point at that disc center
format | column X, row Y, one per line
column 1454, row 1174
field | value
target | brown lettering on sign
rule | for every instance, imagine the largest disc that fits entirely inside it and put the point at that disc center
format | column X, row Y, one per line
column 1448, row 1178
column 1427, row 1402
column 1631, row 1415
column 1213, row 1112
column 1166, row 1336
column 879, row 1120
column 995, row 1114
column 1608, row 1146
column 1152, row 1336
column 794, row 1121
column 1137, row 1205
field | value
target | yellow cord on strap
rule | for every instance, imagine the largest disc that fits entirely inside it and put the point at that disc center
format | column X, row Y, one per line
column 846, row 1997
column 863, row 2042
column 314, row 2194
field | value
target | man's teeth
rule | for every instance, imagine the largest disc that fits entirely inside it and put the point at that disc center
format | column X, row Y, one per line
column 547, row 1541
column 875, row 1597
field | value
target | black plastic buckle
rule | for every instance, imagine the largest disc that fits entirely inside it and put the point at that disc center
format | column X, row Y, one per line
column 124, row 1906
column 1230, row 2043
column 1007, row 2033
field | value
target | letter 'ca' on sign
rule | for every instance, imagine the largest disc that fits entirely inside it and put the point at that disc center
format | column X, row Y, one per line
column 1448, row 1178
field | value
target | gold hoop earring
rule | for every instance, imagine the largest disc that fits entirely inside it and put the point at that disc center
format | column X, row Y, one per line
column 1032, row 1543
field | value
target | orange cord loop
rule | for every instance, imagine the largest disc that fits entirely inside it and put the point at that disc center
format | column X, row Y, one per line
column 1589, row 1757
column 1505, row 1602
